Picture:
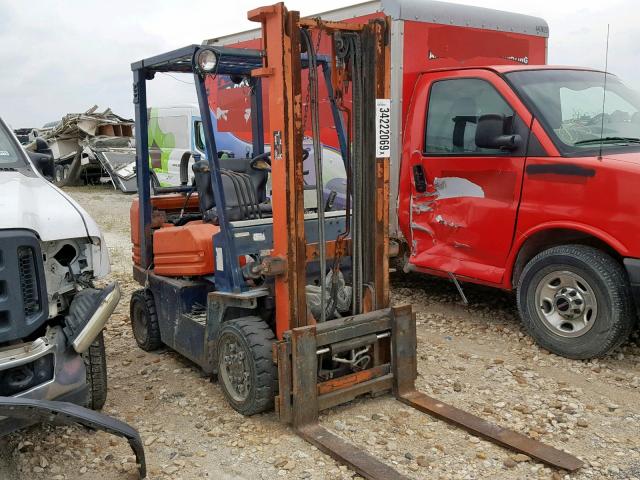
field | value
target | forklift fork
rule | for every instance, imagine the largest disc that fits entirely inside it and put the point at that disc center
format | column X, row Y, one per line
column 392, row 334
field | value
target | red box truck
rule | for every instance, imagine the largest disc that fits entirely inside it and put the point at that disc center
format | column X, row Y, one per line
column 504, row 171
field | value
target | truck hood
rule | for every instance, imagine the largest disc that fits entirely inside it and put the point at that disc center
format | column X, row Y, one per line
column 627, row 157
column 33, row 203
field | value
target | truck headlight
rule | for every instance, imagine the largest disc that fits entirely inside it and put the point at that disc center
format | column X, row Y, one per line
column 207, row 60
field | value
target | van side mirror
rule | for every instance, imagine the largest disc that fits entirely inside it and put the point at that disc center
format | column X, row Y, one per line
column 490, row 133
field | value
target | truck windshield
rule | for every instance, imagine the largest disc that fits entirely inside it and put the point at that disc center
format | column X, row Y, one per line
column 570, row 106
column 10, row 155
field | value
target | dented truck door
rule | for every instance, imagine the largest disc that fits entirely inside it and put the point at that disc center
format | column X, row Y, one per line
column 465, row 192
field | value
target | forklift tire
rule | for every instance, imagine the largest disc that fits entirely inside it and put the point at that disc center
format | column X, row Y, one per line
column 575, row 301
column 95, row 362
column 144, row 321
column 246, row 371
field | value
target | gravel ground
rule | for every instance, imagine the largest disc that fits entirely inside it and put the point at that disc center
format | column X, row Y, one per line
column 476, row 357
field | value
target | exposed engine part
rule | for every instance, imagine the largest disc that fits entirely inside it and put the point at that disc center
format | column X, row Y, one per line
column 358, row 359
column 338, row 304
column 67, row 265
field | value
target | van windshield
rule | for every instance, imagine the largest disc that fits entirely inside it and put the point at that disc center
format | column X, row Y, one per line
column 10, row 155
column 570, row 106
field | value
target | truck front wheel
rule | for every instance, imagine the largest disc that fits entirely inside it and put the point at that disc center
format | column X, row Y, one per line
column 95, row 362
column 575, row 301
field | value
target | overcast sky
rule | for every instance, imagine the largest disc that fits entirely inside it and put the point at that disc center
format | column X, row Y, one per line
column 65, row 56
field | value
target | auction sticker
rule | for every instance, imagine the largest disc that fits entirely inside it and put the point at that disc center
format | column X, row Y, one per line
column 383, row 127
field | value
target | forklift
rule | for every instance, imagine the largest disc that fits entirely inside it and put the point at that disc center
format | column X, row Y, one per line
column 278, row 295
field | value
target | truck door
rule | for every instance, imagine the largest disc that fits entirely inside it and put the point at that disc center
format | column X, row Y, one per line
column 464, row 199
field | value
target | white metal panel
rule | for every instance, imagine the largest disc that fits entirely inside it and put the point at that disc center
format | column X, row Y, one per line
column 397, row 52
column 430, row 11
column 34, row 203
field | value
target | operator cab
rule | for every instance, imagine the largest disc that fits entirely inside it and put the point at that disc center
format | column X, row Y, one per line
column 229, row 191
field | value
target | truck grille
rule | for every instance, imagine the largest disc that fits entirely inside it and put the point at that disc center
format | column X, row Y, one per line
column 23, row 294
column 28, row 281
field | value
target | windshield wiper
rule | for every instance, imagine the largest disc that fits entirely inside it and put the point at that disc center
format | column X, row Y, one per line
column 609, row 140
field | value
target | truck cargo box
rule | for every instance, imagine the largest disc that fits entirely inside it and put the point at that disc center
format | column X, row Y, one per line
column 426, row 35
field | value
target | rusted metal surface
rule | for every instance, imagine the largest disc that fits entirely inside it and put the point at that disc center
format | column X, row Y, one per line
column 304, row 368
column 404, row 350
column 494, row 433
column 342, row 248
column 348, row 454
column 381, row 239
column 282, row 67
column 272, row 266
column 346, row 394
column 284, row 406
column 330, row 26
column 352, row 379
column 341, row 329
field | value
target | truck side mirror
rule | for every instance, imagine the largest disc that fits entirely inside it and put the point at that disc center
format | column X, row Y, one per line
column 42, row 146
column 490, row 133
column 42, row 158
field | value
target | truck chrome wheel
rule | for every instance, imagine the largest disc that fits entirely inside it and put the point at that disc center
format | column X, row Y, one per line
column 566, row 303
column 235, row 370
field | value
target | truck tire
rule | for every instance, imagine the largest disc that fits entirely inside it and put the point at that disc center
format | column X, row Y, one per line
column 575, row 301
column 95, row 361
column 144, row 321
column 246, row 370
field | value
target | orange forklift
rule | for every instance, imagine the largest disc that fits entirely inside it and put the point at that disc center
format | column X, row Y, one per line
column 246, row 267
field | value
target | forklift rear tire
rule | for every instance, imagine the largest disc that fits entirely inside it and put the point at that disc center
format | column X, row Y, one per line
column 95, row 362
column 246, row 371
column 144, row 321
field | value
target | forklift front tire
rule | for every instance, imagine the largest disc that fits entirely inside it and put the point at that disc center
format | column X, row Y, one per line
column 144, row 321
column 246, row 371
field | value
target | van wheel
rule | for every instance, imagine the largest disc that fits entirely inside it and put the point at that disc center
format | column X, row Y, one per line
column 246, row 371
column 144, row 321
column 575, row 301
column 95, row 361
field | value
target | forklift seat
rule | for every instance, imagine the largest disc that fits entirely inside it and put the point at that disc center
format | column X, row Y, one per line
column 244, row 190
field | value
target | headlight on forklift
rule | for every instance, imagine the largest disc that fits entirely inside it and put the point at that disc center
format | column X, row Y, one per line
column 207, row 60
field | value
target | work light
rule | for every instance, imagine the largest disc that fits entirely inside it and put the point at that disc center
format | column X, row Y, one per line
column 207, row 60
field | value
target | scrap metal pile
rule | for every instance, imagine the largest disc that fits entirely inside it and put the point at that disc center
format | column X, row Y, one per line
column 92, row 147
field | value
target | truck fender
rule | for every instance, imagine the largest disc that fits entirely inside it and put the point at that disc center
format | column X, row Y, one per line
column 521, row 240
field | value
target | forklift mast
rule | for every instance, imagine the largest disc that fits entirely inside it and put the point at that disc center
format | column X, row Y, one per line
column 283, row 35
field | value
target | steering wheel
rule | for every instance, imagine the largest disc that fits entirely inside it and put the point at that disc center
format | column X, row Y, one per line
column 262, row 162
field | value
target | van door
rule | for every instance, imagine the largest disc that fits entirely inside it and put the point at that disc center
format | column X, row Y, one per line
column 464, row 198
